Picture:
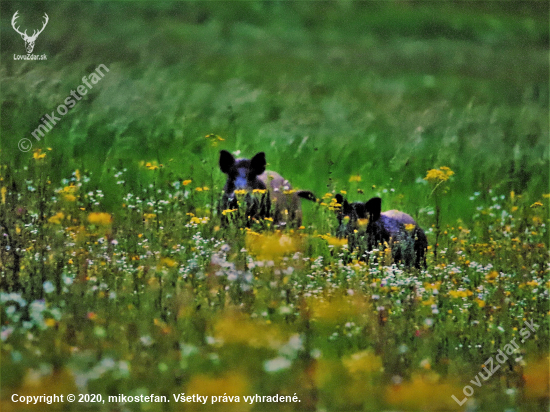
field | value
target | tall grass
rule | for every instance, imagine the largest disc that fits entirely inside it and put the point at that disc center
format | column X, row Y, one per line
column 118, row 275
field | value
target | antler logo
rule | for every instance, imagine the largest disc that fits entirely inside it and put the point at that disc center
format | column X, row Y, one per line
column 29, row 40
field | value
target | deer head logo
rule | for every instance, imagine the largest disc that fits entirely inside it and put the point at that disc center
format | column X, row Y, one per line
column 29, row 40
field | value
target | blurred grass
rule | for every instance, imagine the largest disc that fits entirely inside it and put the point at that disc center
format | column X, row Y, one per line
column 384, row 90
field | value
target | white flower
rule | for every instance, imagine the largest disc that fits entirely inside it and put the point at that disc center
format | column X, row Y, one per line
column 277, row 364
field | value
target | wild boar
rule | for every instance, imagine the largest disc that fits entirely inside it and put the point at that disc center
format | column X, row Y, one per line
column 278, row 201
column 367, row 227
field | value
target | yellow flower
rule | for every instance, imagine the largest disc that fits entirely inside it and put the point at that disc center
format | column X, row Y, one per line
column 153, row 165
column 409, row 227
column 69, row 198
column 167, row 262
column 3, row 192
column 198, row 220
column 240, row 192
column 355, row 178
column 230, row 383
column 235, row 329
column 149, row 216
column 38, row 155
column 362, row 223
column 57, row 218
column 77, row 175
column 362, row 362
column 491, row 276
column 536, row 378
column 460, row 293
column 536, row 204
column 481, row 303
column 334, row 241
column 425, row 393
column 227, row 211
column 100, row 219
column 259, row 191
column 214, row 137
column 340, row 308
column 272, row 246
column 439, row 175
column 186, row 182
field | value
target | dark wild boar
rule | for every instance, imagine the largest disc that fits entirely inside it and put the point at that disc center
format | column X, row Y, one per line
column 367, row 227
column 279, row 201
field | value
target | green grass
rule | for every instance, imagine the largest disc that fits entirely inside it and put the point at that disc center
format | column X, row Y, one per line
column 149, row 299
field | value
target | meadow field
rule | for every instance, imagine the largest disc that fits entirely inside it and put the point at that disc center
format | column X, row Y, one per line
column 121, row 282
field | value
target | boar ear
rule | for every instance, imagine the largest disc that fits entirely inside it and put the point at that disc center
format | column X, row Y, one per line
column 374, row 208
column 345, row 207
column 257, row 163
column 226, row 161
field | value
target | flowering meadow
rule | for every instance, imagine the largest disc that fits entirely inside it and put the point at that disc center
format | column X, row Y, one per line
column 162, row 298
column 125, row 286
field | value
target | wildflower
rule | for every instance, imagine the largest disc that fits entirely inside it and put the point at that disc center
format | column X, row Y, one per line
column 199, row 221
column 167, row 262
column 409, row 227
column 423, row 392
column 186, row 182
column 271, row 246
column 355, row 178
column 3, row 192
column 38, row 155
column 152, row 165
column 460, row 293
column 277, row 364
column 149, row 216
column 334, row 241
column 491, row 276
column 536, row 204
column 48, row 287
column 57, row 218
column 425, row 363
column 100, row 219
column 363, row 362
column 439, row 175
column 536, row 380
column 230, row 383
